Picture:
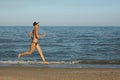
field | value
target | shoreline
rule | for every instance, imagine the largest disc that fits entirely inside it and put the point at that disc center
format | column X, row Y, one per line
column 44, row 73
column 55, row 65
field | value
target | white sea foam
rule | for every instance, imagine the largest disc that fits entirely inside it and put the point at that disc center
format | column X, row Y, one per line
column 37, row 62
column 58, row 62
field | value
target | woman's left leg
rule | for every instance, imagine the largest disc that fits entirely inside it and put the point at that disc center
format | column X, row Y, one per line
column 40, row 53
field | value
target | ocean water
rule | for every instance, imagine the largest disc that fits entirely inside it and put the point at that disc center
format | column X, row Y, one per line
column 62, row 45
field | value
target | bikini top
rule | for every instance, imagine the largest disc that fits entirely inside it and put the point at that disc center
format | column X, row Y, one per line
column 34, row 34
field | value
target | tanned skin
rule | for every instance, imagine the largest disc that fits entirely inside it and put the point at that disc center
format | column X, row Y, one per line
column 34, row 46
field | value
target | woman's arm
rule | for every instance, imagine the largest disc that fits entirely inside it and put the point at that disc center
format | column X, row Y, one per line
column 37, row 35
column 42, row 35
column 30, row 34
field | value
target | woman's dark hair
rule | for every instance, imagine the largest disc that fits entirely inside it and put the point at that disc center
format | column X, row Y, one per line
column 35, row 23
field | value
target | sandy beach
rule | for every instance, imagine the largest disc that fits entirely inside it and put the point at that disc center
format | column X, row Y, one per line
column 39, row 73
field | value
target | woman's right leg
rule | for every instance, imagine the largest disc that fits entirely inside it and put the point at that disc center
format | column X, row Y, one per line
column 32, row 47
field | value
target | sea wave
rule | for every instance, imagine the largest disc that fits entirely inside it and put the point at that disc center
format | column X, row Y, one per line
column 61, row 62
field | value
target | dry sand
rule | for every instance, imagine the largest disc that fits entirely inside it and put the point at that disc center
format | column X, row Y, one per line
column 38, row 73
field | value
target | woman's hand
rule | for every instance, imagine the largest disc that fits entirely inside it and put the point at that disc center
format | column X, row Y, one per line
column 44, row 34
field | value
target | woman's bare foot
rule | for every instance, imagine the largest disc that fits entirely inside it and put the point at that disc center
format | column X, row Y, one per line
column 19, row 55
column 45, row 62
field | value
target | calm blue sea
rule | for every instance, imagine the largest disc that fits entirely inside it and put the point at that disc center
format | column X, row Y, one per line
column 62, row 45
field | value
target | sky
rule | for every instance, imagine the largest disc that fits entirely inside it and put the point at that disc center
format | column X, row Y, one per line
column 60, row 12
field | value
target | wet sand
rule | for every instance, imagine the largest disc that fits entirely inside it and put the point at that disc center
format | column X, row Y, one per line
column 43, row 73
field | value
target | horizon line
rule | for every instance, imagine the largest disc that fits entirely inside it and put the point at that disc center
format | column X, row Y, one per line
column 61, row 26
